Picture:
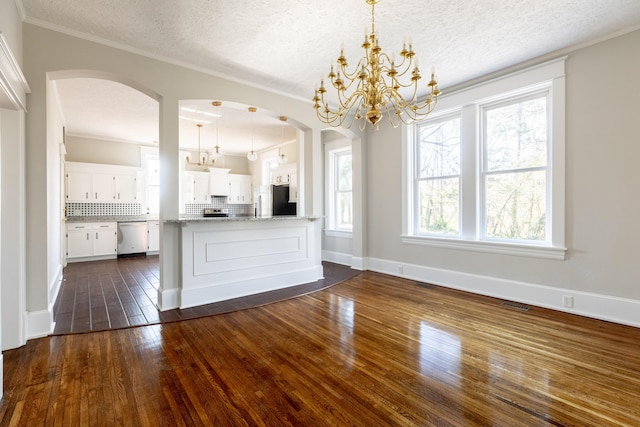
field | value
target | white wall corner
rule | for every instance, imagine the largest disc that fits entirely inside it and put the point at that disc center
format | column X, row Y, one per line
column 40, row 324
column 168, row 299
column 54, row 287
column 603, row 307
column 1, row 375
column 358, row 263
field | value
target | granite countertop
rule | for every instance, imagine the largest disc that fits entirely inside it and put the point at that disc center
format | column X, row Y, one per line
column 188, row 219
column 116, row 218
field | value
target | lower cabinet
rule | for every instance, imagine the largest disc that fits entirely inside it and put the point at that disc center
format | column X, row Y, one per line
column 153, row 228
column 89, row 239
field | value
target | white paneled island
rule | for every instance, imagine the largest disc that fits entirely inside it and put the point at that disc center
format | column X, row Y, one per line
column 225, row 258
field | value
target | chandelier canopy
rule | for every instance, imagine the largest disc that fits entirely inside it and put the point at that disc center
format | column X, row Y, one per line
column 373, row 87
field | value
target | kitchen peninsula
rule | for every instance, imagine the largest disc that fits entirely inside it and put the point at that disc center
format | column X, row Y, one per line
column 225, row 258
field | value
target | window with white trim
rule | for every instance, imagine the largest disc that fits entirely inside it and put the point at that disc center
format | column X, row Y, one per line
column 339, row 185
column 486, row 172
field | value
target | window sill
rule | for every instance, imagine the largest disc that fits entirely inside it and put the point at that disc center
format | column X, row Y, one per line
column 533, row 251
column 338, row 233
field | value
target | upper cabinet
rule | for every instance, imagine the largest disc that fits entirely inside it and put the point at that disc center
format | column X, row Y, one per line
column 240, row 189
column 95, row 183
column 287, row 175
column 219, row 182
column 199, row 187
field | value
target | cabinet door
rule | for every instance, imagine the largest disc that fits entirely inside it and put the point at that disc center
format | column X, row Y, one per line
column 79, row 187
column 79, row 242
column 201, row 189
column 247, row 190
column 219, row 180
column 153, row 228
column 103, row 187
column 126, row 188
column 240, row 191
column 105, row 240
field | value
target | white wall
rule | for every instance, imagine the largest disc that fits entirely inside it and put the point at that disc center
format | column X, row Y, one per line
column 46, row 51
column 11, row 28
column 602, row 228
column 91, row 150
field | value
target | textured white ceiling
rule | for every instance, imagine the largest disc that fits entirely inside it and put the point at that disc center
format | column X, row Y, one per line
column 286, row 45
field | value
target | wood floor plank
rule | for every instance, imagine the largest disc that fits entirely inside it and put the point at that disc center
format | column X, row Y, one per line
column 373, row 350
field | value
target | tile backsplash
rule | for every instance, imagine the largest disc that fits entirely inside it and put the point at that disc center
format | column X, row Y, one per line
column 219, row 202
column 103, row 209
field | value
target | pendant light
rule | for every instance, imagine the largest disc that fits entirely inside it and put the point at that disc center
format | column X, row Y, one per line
column 281, row 157
column 203, row 158
column 252, row 156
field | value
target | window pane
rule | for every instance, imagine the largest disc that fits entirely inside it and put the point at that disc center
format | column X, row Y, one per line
column 345, row 218
column 439, row 206
column 516, row 206
column 344, row 172
column 439, row 148
column 516, row 135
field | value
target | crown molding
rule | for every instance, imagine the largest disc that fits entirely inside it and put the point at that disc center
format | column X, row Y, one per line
column 12, row 81
column 137, row 51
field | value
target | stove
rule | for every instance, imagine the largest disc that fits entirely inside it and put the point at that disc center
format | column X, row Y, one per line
column 215, row 213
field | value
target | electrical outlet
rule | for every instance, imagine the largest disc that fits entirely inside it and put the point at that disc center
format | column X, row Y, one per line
column 401, row 269
column 567, row 301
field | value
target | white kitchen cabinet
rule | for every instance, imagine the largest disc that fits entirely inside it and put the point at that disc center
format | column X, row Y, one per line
column 240, row 189
column 105, row 239
column 79, row 242
column 153, row 241
column 283, row 174
column 86, row 239
column 79, row 187
column 126, row 189
column 88, row 182
column 201, row 187
column 219, row 182
column 104, row 187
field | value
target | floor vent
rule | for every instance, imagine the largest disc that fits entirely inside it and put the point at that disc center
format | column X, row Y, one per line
column 516, row 306
column 425, row 285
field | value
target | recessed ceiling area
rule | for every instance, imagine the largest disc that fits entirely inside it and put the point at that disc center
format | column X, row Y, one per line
column 232, row 127
column 108, row 110
column 104, row 109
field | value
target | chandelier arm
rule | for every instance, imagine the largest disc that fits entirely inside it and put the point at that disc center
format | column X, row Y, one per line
column 372, row 89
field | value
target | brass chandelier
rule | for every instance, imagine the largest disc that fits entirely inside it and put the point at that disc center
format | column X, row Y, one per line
column 373, row 87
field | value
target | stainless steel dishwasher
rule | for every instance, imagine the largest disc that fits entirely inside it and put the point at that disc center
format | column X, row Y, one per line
column 132, row 238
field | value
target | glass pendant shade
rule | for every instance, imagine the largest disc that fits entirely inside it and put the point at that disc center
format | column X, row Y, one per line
column 252, row 156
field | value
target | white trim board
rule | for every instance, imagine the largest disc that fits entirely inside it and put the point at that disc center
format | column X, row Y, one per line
column 337, row 257
column 603, row 307
column 39, row 324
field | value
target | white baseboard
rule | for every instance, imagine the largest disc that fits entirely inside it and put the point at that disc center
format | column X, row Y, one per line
column 604, row 307
column 358, row 263
column 336, row 257
column 194, row 296
column 54, row 286
column 39, row 324
column 344, row 259
column 1, row 375
column 168, row 299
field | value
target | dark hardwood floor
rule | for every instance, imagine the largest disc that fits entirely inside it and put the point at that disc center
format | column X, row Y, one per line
column 374, row 350
column 118, row 293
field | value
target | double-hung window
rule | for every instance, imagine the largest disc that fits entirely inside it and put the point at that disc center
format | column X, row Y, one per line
column 340, row 194
column 486, row 172
column 438, row 177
